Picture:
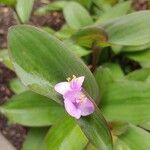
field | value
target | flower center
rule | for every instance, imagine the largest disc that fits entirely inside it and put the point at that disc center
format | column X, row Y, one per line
column 69, row 79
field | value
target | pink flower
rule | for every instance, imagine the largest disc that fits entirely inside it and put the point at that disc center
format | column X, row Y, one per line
column 75, row 101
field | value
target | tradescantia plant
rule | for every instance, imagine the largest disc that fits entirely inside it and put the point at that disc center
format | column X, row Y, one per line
column 65, row 105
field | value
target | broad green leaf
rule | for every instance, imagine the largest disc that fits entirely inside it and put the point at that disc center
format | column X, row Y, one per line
column 135, row 48
column 130, row 30
column 53, row 6
column 116, row 11
column 16, row 86
column 142, row 57
column 8, row 2
column 65, row 32
column 103, row 77
column 35, row 138
column 86, row 3
column 76, row 15
column 24, row 8
column 146, row 125
column 41, row 61
column 66, row 135
column 4, row 58
column 107, row 74
column 139, row 75
column 91, row 147
column 32, row 109
column 133, row 139
column 78, row 50
column 89, row 35
column 102, row 4
column 96, row 130
column 127, row 101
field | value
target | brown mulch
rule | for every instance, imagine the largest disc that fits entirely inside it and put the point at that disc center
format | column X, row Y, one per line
column 17, row 133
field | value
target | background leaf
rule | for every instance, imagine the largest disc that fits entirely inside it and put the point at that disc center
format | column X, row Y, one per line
column 16, row 86
column 66, row 135
column 8, row 2
column 32, row 109
column 142, row 57
column 131, row 30
column 35, row 138
column 24, row 8
column 114, row 12
column 72, row 13
column 133, row 139
column 53, row 6
column 4, row 58
column 125, row 101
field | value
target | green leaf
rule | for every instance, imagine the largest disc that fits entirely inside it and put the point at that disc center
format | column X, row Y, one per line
column 76, row 15
column 4, row 58
column 114, row 12
column 131, row 30
column 127, row 101
column 16, row 86
column 65, row 32
column 95, row 128
column 41, row 61
column 35, row 138
column 31, row 109
column 102, row 4
column 139, row 75
column 133, row 139
column 142, row 57
column 8, row 2
column 24, row 8
column 78, row 50
column 66, row 135
column 89, row 35
column 107, row 74
column 53, row 6
column 146, row 125
column 91, row 147
column 135, row 48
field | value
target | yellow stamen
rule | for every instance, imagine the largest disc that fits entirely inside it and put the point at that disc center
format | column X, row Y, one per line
column 69, row 79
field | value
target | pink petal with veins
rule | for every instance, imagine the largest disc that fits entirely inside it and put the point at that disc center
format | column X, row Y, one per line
column 62, row 87
column 76, row 84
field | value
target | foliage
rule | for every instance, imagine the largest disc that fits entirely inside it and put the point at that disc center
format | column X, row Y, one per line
column 107, row 37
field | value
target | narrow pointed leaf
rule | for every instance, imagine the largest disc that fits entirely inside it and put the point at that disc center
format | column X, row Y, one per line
column 41, row 61
column 32, row 109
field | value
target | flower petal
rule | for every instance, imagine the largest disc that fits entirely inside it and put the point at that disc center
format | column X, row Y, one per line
column 76, row 83
column 86, row 107
column 62, row 87
column 71, row 109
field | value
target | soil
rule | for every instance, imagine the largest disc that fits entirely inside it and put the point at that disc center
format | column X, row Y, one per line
column 16, row 133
